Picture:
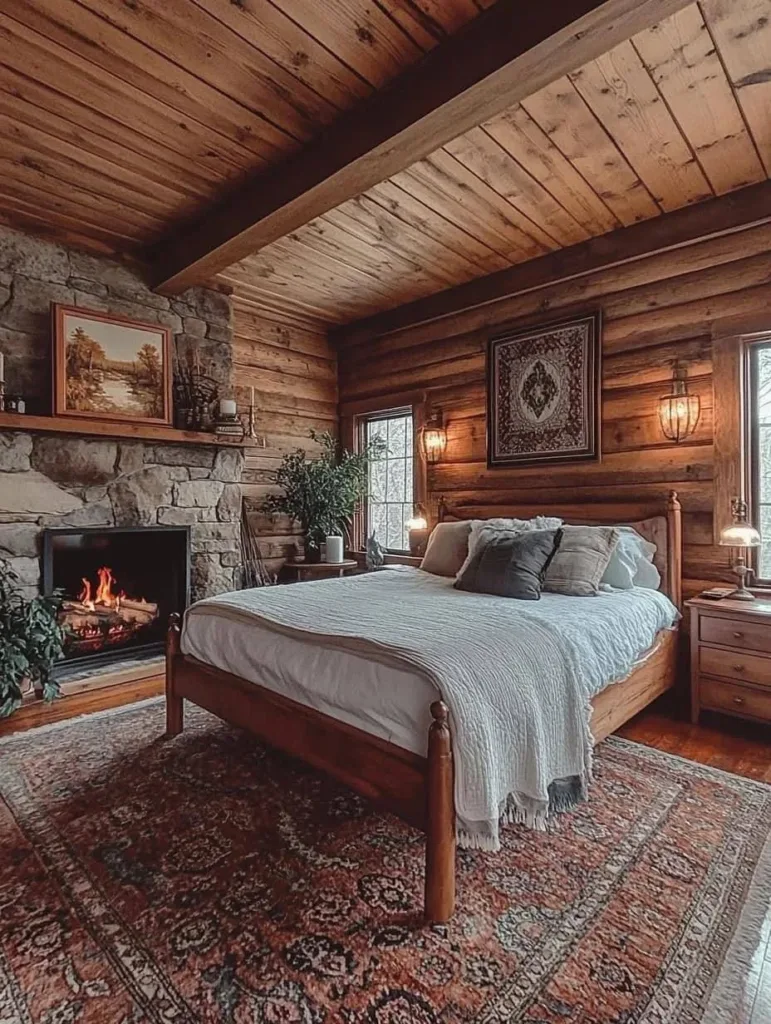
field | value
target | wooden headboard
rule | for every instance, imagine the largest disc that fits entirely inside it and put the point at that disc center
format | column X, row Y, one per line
column 661, row 526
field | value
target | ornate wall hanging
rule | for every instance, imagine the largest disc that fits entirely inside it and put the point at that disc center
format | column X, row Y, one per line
column 543, row 393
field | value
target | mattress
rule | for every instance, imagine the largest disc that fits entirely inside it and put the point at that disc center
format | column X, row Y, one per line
column 377, row 697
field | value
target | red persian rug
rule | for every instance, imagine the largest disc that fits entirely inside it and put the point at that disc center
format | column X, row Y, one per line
column 208, row 879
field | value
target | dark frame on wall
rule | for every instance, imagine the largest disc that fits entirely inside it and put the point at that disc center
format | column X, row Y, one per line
column 555, row 370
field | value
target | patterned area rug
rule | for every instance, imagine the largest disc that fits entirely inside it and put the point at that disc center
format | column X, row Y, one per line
column 209, row 879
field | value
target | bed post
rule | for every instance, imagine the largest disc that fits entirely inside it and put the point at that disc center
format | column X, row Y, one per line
column 174, row 706
column 674, row 550
column 440, row 819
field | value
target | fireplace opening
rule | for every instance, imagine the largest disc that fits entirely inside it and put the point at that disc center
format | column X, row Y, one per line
column 119, row 585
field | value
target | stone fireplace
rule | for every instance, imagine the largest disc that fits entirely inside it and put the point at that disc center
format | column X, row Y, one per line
column 119, row 586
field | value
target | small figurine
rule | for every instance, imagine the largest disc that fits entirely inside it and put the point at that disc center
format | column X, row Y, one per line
column 375, row 553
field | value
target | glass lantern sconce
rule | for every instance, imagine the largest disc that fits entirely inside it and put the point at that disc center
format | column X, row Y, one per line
column 433, row 438
column 679, row 412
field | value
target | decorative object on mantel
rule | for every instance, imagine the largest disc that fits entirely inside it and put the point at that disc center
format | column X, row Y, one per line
column 375, row 555
column 228, row 425
column 2, row 382
column 418, row 531
column 432, row 439
column 543, row 393
column 109, row 367
column 195, row 393
column 322, row 493
column 741, row 535
column 31, row 642
column 13, row 403
column 679, row 411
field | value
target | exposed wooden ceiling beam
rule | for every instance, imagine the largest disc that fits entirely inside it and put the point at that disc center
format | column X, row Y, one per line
column 507, row 53
column 748, row 207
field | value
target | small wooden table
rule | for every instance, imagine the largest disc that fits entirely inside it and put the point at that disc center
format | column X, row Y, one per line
column 305, row 571
column 731, row 658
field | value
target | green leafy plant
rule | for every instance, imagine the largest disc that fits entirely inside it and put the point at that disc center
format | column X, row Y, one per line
column 31, row 641
column 322, row 492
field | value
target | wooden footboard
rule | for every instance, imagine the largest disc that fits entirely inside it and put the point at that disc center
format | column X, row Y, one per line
column 419, row 790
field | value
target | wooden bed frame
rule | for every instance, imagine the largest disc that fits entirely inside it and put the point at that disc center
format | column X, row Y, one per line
column 418, row 789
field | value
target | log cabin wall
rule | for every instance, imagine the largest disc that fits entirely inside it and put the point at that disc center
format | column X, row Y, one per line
column 656, row 309
column 294, row 374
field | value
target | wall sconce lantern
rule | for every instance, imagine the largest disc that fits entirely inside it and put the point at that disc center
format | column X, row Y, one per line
column 678, row 411
column 433, row 438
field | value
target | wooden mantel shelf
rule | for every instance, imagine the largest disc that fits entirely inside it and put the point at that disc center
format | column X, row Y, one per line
column 86, row 427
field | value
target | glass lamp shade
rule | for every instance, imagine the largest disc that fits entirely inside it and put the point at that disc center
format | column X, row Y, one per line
column 417, row 523
column 679, row 415
column 433, row 441
column 740, row 535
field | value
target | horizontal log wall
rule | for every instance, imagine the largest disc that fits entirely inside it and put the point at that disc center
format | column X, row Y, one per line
column 294, row 375
column 655, row 310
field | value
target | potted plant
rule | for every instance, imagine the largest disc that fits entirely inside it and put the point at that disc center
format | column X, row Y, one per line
column 322, row 492
column 31, row 642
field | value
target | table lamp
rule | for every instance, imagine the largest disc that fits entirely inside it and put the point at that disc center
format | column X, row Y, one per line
column 742, row 536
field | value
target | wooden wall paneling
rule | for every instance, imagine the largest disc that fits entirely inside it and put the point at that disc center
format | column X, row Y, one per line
column 727, row 356
column 620, row 91
column 571, row 125
column 741, row 30
column 294, row 373
column 681, row 57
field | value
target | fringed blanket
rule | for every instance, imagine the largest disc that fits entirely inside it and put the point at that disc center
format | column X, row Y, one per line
column 518, row 677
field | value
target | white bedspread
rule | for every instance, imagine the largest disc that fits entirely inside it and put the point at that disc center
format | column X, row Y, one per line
column 517, row 676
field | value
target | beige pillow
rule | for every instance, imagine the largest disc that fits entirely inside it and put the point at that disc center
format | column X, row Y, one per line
column 447, row 548
column 581, row 559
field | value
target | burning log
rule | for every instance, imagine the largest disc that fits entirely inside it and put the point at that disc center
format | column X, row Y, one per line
column 103, row 617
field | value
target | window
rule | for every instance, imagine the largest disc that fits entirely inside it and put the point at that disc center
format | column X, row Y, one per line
column 759, row 449
column 390, row 502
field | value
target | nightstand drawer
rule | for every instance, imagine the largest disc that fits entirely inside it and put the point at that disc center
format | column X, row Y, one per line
column 737, row 700
column 751, row 636
column 748, row 668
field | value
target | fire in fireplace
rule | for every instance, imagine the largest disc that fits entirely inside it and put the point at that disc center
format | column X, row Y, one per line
column 120, row 586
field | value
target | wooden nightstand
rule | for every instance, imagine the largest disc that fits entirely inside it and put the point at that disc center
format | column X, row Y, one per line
column 304, row 571
column 731, row 658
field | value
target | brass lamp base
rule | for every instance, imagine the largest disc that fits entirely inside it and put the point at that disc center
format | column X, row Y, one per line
column 741, row 593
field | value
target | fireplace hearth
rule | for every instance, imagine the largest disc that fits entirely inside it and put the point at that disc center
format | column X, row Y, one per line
column 120, row 585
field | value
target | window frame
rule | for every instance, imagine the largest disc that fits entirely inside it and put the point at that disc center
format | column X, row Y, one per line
column 751, row 445
column 397, row 412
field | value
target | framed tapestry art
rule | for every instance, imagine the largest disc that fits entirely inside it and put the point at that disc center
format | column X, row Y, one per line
column 109, row 367
column 543, row 393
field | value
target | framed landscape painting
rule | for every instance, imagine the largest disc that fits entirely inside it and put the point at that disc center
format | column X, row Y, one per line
column 543, row 393
column 109, row 367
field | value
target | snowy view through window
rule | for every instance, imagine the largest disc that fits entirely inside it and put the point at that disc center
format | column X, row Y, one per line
column 389, row 508
column 762, row 456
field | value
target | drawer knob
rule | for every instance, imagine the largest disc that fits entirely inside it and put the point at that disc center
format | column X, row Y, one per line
column 738, row 700
column 738, row 636
column 738, row 668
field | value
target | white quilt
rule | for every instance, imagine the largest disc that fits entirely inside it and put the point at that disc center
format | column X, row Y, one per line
column 517, row 676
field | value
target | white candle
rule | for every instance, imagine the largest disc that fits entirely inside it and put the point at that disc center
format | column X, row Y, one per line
column 251, row 400
column 334, row 549
column 227, row 407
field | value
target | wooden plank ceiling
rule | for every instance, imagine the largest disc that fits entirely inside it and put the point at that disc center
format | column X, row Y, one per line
column 676, row 115
column 120, row 119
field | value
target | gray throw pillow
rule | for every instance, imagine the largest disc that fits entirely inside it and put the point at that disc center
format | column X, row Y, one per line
column 583, row 557
column 511, row 564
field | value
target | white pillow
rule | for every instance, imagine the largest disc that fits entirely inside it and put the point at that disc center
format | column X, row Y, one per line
column 504, row 526
column 631, row 564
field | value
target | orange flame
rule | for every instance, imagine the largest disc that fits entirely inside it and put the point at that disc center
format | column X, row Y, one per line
column 105, row 594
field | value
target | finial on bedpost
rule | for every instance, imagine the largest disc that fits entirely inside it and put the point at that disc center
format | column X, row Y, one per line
column 674, row 550
column 173, row 634
column 673, row 503
column 441, row 714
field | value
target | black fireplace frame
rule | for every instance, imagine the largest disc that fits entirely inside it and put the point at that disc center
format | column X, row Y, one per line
column 125, row 654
